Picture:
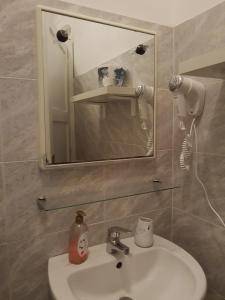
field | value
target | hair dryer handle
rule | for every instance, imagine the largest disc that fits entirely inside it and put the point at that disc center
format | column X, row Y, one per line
column 181, row 109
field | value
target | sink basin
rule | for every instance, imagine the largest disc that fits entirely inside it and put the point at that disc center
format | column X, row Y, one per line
column 162, row 272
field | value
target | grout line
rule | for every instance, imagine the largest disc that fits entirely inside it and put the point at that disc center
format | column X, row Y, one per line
column 172, row 218
column 18, row 161
column 6, row 243
column 17, row 78
column 96, row 223
column 36, row 159
column 210, row 154
column 158, row 150
column 164, row 149
column 162, row 89
column 199, row 218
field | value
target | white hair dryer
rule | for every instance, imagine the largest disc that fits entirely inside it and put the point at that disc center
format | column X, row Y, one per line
column 189, row 96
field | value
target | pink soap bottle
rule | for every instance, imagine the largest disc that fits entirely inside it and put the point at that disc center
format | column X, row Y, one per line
column 78, row 243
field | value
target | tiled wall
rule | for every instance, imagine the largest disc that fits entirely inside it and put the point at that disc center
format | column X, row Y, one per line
column 195, row 227
column 27, row 237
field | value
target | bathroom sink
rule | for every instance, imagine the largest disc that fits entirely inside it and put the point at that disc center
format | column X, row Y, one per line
column 162, row 272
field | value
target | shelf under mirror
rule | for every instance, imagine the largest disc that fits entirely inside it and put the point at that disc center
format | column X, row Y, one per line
column 106, row 94
column 47, row 204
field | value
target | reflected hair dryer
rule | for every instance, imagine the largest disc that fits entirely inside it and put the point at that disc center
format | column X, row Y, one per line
column 189, row 97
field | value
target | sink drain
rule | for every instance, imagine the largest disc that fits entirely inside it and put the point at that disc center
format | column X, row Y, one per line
column 125, row 298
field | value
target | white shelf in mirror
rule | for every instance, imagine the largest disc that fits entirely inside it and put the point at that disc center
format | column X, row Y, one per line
column 211, row 64
column 106, row 94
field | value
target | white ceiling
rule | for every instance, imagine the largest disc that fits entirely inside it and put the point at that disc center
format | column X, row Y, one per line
column 170, row 12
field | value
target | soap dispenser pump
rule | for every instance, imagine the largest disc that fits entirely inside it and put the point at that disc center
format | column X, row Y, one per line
column 78, row 243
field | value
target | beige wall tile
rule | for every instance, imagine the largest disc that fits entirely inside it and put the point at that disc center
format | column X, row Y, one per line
column 19, row 119
column 206, row 243
column 35, row 236
column 4, row 274
column 123, row 207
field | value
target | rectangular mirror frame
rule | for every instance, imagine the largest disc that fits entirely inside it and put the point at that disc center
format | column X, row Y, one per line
column 41, row 91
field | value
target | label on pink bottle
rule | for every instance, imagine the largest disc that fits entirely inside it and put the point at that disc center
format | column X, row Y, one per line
column 82, row 246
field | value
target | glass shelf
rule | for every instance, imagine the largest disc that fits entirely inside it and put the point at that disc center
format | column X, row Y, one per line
column 45, row 205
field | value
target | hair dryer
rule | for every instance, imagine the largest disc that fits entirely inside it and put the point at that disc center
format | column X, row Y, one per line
column 189, row 97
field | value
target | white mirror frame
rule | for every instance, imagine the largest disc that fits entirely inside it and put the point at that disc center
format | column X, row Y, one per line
column 41, row 91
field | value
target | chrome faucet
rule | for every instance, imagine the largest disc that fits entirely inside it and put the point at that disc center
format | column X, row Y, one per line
column 114, row 244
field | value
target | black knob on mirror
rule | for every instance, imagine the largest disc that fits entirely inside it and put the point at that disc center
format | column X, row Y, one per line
column 141, row 49
column 62, row 36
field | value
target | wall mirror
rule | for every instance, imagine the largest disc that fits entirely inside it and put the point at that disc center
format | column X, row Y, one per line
column 97, row 89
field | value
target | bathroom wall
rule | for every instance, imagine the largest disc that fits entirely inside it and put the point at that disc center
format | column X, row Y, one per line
column 183, row 10
column 148, row 10
column 27, row 237
column 117, row 131
column 195, row 227
column 169, row 13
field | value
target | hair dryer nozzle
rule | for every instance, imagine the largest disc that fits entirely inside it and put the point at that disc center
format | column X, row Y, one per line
column 175, row 82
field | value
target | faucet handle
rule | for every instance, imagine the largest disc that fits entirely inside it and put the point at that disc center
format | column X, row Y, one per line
column 116, row 230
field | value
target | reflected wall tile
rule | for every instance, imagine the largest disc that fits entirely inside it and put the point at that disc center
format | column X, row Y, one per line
column 4, row 274
column 206, row 243
column 128, row 177
column 124, row 207
column 164, row 119
column 161, row 219
column 19, row 119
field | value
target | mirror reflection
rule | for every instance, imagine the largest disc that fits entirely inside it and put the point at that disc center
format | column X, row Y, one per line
column 98, row 90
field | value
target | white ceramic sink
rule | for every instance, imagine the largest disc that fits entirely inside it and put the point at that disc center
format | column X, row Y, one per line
column 162, row 272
